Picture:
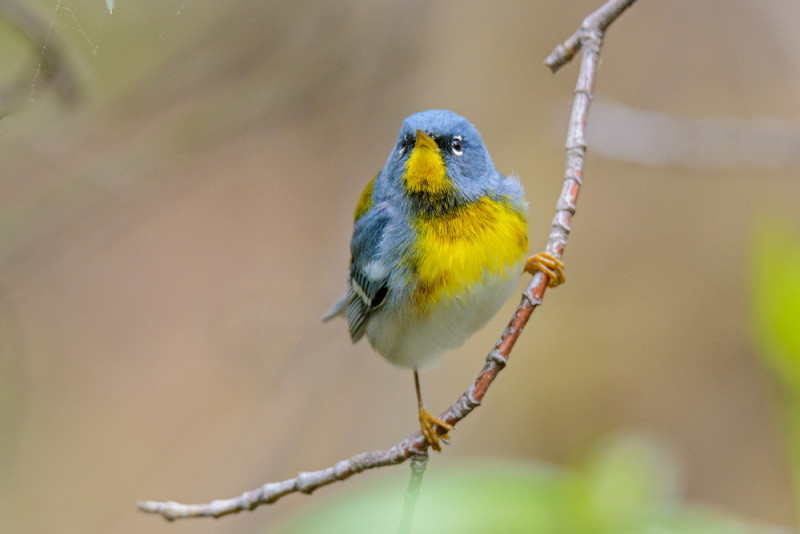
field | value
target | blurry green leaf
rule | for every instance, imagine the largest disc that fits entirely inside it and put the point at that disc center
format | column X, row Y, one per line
column 468, row 497
column 619, row 483
column 776, row 293
column 776, row 314
column 626, row 487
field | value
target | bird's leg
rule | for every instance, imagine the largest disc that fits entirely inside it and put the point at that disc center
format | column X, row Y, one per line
column 427, row 421
column 549, row 265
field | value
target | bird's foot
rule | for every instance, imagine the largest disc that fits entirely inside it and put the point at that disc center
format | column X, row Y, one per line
column 427, row 423
column 549, row 265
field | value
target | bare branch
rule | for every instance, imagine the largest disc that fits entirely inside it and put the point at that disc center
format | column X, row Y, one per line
column 304, row 483
column 591, row 32
column 589, row 39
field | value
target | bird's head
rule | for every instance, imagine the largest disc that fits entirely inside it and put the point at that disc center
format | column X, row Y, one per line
column 440, row 160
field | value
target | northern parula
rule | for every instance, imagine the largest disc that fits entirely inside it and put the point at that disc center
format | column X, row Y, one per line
column 439, row 242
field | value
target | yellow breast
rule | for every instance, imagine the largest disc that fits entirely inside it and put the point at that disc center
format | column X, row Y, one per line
column 454, row 251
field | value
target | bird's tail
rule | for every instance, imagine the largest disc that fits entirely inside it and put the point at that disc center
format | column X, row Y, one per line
column 336, row 309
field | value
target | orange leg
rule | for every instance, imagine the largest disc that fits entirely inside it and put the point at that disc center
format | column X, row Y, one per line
column 429, row 422
column 549, row 265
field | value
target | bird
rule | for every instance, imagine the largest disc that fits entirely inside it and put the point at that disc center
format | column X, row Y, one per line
column 439, row 241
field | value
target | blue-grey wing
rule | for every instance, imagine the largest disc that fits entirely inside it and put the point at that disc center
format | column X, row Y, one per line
column 368, row 282
column 368, row 285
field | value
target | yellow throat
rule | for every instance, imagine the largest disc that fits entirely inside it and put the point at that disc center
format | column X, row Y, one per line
column 425, row 172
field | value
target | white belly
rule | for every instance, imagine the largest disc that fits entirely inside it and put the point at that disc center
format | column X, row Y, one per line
column 417, row 340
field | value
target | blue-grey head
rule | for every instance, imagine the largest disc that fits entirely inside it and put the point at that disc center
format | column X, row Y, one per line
column 440, row 161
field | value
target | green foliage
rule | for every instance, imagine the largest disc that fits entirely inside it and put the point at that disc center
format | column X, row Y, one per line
column 624, row 487
column 776, row 316
column 776, row 306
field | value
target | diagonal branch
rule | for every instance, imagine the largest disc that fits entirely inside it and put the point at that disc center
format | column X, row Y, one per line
column 589, row 39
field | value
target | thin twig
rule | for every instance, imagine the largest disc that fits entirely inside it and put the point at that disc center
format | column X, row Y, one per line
column 410, row 447
column 597, row 22
column 418, row 465
column 589, row 39
column 52, row 69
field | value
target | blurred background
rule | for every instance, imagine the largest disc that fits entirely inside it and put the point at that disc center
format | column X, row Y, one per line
column 176, row 198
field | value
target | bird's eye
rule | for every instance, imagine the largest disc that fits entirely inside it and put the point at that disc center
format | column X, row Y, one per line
column 457, row 145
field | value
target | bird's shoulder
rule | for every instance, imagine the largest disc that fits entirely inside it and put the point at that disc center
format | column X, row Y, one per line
column 365, row 201
column 371, row 263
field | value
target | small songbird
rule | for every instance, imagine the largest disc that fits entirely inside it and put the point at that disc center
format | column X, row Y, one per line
column 439, row 242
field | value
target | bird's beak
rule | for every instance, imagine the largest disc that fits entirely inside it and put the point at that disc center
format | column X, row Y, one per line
column 424, row 140
column 425, row 172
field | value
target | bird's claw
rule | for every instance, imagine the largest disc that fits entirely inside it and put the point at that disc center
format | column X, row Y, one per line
column 427, row 423
column 549, row 265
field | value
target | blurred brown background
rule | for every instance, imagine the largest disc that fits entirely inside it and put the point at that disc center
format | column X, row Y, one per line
column 175, row 213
